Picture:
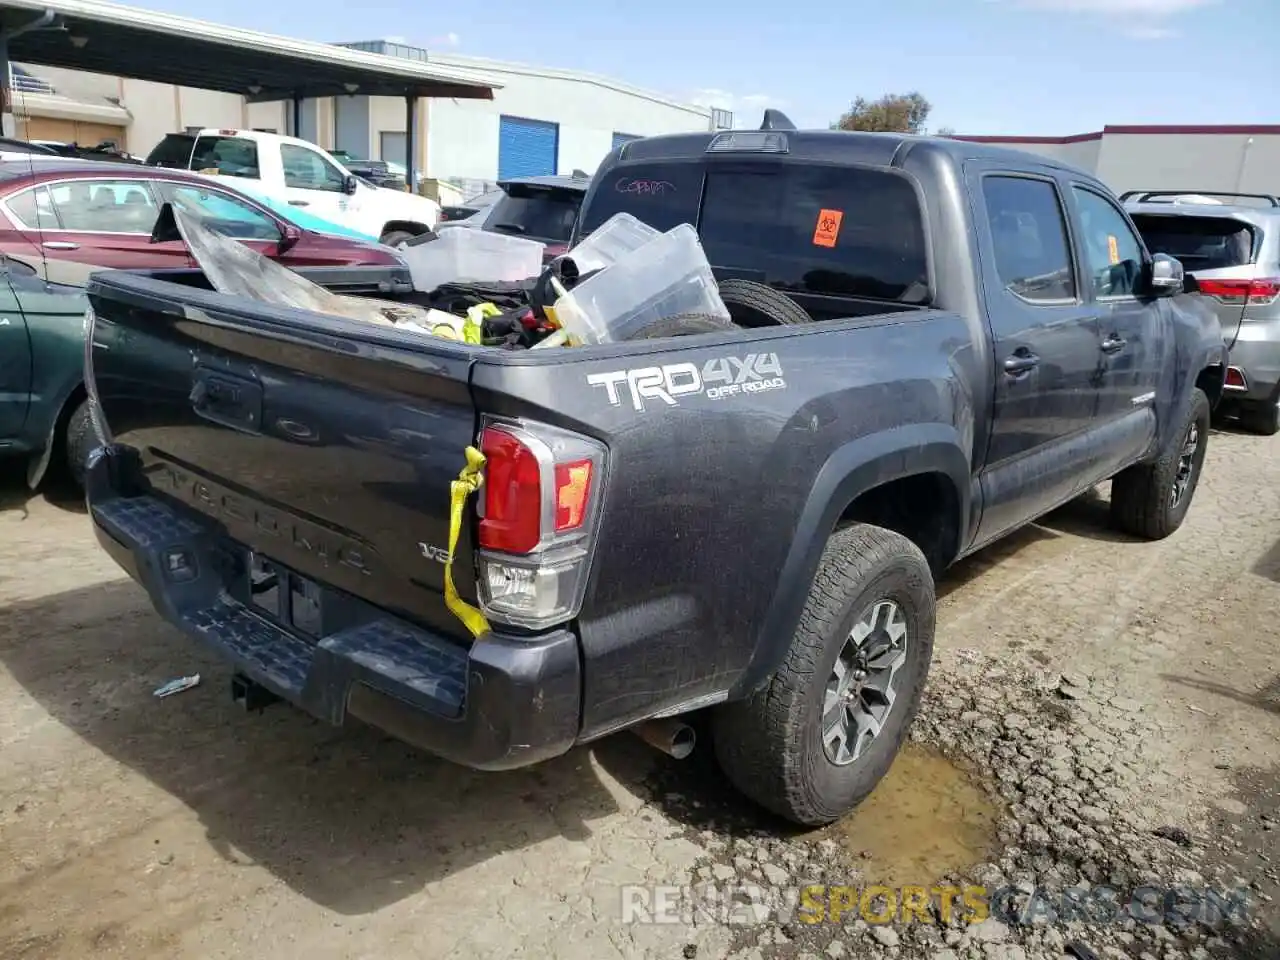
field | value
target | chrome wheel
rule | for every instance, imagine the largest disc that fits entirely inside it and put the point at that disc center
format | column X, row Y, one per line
column 863, row 686
column 1186, row 465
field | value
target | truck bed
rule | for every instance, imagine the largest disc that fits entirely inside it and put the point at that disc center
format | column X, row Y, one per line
column 325, row 448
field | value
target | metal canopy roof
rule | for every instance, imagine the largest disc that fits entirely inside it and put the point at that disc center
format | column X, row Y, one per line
column 144, row 45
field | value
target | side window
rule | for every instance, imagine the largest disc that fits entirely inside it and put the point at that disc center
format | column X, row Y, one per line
column 306, row 170
column 228, row 156
column 226, row 214
column 1029, row 236
column 1112, row 251
column 32, row 209
column 104, row 206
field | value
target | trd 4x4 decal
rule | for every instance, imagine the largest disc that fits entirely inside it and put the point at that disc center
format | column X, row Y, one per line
column 718, row 378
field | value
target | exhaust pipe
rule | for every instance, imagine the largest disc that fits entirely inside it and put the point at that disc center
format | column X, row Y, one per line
column 671, row 736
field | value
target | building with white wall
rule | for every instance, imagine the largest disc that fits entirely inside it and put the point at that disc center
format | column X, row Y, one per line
column 1236, row 159
column 540, row 121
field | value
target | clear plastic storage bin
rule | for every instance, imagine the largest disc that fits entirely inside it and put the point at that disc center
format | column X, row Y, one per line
column 612, row 240
column 460, row 254
column 667, row 276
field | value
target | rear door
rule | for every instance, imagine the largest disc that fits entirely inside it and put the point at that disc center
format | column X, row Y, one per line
column 1045, row 337
column 1219, row 251
column 87, row 224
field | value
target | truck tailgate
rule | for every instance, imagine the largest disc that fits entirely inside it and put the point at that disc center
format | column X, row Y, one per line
column 289, row 438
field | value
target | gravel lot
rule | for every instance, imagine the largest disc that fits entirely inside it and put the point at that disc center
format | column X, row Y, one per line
column 1102, row 714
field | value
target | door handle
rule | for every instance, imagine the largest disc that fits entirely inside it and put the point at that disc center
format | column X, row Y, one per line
column 1113, row 344
column 299, row 203
column 60, row 245
column 1020, row 363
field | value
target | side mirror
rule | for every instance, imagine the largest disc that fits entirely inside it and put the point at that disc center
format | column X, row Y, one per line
column 1167, row 275
column 289, row 237
column 165, row 229
column 350, row 184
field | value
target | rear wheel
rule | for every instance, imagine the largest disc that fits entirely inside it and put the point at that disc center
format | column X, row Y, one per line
column 1151, row 499
column 818, row 738
column 77, row 443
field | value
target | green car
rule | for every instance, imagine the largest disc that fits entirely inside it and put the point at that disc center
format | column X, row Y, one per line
column 44, row 413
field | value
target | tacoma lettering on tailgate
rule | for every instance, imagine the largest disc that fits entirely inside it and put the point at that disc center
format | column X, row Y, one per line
column 324, row 544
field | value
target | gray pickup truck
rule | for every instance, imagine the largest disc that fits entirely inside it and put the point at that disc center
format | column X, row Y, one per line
column 744, row 524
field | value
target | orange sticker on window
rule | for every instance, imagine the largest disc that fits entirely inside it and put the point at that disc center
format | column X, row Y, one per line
column 827, row 229
column 1113, row 249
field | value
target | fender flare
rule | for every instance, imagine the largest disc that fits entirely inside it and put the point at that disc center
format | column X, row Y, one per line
column 850, row 471
column 1215, row 355
column 37, row 467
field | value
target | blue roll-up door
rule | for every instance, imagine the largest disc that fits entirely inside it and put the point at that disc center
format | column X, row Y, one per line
column 620, row 138
column 527, row 148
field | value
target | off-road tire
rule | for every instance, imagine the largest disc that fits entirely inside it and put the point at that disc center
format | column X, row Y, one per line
column 757, row 305
column 1260, row 418
column 1141, row 495
column 683, row 325
column 393, row 238
column 78, row 442
column 769, row 745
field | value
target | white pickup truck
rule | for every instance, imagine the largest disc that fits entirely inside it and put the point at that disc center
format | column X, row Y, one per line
column 303, row 175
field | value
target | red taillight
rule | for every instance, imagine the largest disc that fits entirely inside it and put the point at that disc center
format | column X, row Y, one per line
column 512, row 519
column 1235, row 378
column 537, row 524
column 573, row 488
column 1241, row 291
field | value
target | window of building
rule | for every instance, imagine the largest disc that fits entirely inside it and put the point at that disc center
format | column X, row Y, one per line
column 721, row 119
column 1029, row 237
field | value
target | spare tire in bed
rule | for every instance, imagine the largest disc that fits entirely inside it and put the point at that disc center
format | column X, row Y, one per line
column 756, row 305
column 683, row 325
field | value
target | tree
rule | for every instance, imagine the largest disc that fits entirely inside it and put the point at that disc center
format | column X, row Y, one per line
column 892, row 113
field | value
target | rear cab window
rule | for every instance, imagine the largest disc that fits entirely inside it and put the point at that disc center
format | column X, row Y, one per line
column 174, row 152
column 807, row 229
column 1201, row 243
column 229, row 156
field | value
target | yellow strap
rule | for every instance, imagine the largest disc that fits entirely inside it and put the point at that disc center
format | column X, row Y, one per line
column 469, row 481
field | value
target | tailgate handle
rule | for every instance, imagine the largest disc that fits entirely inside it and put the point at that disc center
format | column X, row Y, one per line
column 231, row 401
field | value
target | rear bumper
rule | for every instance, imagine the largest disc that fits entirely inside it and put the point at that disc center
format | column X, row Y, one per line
column 1256, row 353
column 502, row 703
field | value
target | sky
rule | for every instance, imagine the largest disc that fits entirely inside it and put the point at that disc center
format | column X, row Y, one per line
column 1031, row 67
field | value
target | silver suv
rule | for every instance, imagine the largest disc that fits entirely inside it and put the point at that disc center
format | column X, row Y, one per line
column 1230, row 243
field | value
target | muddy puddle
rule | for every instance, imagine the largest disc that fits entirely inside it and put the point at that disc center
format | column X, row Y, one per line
column 926, row 819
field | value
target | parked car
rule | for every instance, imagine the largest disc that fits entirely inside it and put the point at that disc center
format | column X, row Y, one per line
column 537, row 208
column 745, row 520
column 1230, row 244
column 106, row 150
column 305, row 176
column 66, row 219
column 455, row 213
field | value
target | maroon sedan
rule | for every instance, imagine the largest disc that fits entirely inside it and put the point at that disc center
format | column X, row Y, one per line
column 68, row 218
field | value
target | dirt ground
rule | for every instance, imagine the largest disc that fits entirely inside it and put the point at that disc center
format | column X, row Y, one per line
column 184, row 828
